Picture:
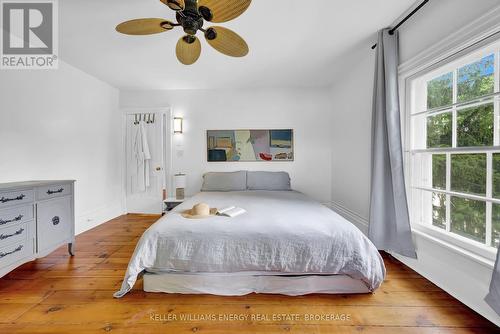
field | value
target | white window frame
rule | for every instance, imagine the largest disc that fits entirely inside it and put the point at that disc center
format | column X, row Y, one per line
column 460, row 59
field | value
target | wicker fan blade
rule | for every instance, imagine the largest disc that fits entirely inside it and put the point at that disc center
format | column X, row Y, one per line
column 226, row 41
column 222, row 10
column 144, row 26
column 188, row 49
column 174, row 4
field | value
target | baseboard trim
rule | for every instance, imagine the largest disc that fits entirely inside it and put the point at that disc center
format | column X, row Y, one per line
column 96, row 217
column 359, row 221
column 461, row 276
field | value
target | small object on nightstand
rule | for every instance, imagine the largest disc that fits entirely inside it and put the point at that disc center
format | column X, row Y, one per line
column 179, row 193
column 170, row 203
column 180, row 185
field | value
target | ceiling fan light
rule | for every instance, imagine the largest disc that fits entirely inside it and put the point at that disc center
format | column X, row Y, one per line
column 206, row 13
column 189, row 39
column 210, row 34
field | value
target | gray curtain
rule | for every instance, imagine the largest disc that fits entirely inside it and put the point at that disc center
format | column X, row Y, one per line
column 493, row 297
column 389, row 219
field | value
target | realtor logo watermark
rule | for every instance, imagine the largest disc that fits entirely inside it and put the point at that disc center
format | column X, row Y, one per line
column 29, row 34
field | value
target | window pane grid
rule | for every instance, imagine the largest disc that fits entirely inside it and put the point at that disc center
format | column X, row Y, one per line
column 463, row 204
column 454, row 127
column 464, row 150
column 491, row 98
column 496, row 122
column 496, row 102
column 454, row 116
column 459, row 194
column 489, row 194
column 495, row 221
column 448, row 189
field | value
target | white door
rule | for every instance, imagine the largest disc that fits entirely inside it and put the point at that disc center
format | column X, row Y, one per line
column 150, row 199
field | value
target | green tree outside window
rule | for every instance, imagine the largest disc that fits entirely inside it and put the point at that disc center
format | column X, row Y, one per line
column 468, row 173
column 439, row 210
column 468, row 218
column 476, row 79
column 439, row 171
column 440, row 91
column 439, row 130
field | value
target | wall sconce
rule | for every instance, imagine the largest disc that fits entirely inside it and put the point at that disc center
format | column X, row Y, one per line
column 177, row 124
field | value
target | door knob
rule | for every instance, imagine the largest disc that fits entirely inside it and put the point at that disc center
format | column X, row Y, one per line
column 158, row 169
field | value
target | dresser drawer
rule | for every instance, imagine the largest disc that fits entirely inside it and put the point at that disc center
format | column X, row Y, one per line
column 53, row 191
column 13, row 234
column 15, row 252
column 16, row 215
column 11, row 198
column 54, row 222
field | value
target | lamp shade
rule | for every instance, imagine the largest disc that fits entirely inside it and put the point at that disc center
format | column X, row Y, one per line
column 180, row 181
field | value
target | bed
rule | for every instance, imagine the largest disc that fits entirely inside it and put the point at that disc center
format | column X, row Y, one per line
column 286, row 243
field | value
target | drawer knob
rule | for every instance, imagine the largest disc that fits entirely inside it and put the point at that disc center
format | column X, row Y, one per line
column 51, row 192
column 15, row 219
column 12, row 252
column 5, row 236
column 18, row 198
column 56, row 220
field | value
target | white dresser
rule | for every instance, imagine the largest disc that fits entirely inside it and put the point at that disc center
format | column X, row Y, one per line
column 36, row 217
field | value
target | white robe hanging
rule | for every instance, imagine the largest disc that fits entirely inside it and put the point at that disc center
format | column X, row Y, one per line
column 142, row 158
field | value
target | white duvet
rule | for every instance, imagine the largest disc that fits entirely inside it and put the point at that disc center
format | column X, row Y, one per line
column 282, row 232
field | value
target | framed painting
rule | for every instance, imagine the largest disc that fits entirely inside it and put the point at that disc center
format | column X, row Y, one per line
column 250, row 145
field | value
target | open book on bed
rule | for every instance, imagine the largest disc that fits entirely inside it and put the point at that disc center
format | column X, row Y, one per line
column 231, row 211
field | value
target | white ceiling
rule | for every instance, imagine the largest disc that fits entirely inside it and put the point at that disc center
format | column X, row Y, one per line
column 293, row 43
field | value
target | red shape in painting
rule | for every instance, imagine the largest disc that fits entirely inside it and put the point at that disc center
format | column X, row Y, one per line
column 266, row 156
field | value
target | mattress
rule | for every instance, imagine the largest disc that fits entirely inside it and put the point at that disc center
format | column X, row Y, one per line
column 282, row 232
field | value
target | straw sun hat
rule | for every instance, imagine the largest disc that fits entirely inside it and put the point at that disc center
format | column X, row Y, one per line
column 199, row 211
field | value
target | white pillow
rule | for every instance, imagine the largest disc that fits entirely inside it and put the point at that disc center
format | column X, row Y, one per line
column 268, row 181
column 224, row 181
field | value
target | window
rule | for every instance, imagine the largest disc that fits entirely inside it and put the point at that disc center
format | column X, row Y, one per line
column 454, row 153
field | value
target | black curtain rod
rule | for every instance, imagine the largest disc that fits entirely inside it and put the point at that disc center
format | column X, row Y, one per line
column 405, row 19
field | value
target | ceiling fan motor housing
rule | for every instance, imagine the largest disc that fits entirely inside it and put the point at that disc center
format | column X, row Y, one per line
column 190, row 22
column 190, row 19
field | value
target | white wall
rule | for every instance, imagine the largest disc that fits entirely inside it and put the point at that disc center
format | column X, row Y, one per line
column 305, row 111
column 461, row 275
column 437, row 20
column 351, row 100
column 64, row 124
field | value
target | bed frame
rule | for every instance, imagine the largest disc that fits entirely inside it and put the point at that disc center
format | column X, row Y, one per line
column 238, row 284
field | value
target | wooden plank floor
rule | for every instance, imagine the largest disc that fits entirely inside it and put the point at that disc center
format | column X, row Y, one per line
column 62, row 294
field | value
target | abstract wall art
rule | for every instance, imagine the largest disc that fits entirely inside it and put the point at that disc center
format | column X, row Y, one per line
column 250, row 145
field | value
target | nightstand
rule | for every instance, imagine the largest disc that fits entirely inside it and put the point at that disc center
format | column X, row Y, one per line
column 172, row 202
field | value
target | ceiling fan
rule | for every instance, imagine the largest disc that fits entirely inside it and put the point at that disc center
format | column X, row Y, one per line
column 191, row 15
